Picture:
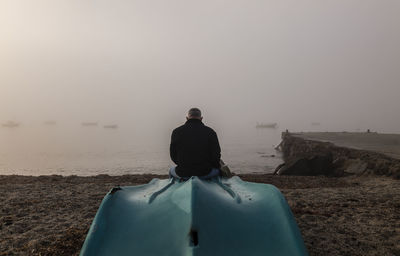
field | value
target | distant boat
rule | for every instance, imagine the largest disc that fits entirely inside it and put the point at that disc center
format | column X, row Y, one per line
column 315, row 123
column 112, row 126
column 50, row 122
column 10, row 124
column 267, row 125
column 89, row 124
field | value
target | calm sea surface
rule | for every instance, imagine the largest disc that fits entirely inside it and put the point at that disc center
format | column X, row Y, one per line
column 77, row 150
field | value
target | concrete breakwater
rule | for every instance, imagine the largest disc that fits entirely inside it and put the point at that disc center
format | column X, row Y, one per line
column 343, row 160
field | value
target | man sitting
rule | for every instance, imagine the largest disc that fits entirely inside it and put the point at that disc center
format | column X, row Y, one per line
column 195, row 149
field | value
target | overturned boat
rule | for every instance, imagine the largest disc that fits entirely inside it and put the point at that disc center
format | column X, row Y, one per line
column 194, row 217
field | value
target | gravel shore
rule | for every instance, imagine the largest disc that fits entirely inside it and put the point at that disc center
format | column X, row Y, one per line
column 50, row 215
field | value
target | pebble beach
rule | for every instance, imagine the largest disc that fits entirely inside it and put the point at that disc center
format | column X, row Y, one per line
column 51, row 215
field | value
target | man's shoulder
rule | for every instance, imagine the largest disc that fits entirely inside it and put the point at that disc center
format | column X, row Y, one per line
column 209, row 129
column 179, row 128
column 185, row 126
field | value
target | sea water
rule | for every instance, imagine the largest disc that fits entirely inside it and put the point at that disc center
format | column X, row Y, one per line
column 78, row 150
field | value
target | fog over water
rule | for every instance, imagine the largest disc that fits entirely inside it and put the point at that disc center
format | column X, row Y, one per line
column 93, row 150
column 143, row 64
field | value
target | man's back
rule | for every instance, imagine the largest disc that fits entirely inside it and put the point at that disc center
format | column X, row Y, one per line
column 195, row 149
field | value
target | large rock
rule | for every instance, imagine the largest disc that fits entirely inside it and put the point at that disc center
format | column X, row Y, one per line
column 312, row 166
column 321, row 165
column 299, row 166
column 355, row 166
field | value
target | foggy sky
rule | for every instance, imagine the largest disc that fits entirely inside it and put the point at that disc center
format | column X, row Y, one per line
column 287, row 61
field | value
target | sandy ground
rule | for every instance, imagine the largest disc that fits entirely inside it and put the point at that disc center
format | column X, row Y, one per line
column 50, row 215
column 388, row 144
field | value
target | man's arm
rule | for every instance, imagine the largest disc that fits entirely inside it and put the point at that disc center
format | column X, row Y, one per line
column 215, row 150
column 172, row 148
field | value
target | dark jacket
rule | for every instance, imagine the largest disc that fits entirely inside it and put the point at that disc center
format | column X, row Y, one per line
column 194, row 149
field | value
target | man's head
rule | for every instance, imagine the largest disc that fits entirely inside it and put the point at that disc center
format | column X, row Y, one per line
column 194, row 113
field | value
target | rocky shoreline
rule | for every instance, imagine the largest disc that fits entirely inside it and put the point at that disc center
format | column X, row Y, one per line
column 50, row 215
column 344, row 160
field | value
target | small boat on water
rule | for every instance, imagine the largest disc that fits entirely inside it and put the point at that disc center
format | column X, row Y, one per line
column 111, row 126
column 315, row 124
column 89, row 123
column 219, row 217
column 10, row 124
column 50, row 122
column 267, row 125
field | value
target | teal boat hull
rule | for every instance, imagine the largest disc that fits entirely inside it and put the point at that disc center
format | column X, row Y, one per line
column 196, row 217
